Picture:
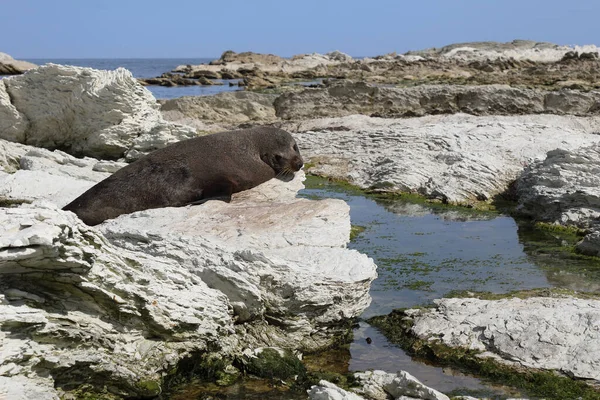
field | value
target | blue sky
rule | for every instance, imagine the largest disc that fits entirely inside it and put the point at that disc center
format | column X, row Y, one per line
column 186, row 28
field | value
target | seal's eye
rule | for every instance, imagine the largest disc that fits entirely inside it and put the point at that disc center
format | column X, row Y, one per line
column 278, row 158
column 295, row 147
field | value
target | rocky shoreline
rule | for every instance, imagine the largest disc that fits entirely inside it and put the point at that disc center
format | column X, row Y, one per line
column 518, row 63
column 119, row 308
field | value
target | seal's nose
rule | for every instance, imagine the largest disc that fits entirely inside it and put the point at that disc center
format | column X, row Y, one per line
column 298, row 163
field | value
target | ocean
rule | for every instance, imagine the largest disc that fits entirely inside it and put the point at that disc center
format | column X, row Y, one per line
column 146, row 68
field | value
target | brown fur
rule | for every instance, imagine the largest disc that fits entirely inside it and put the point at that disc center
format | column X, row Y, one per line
column 190, row 172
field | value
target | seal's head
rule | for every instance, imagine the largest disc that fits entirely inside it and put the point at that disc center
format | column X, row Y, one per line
column 282, row 155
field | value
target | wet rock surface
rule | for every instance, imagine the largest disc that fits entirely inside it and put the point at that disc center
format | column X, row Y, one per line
column 377, row 385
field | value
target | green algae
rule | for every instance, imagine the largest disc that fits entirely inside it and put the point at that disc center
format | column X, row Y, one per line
column 355, row 231
column 382, row 196
column 270, row 363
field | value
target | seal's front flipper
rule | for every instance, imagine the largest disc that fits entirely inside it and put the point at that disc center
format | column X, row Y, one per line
column 218, row 191
column 226, row 199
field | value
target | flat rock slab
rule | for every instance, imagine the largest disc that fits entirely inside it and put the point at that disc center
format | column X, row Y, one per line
column 456, row 158
column 560, row 334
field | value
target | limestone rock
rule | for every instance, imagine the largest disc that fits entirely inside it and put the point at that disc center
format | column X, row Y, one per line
column 456, row 158
column 517, row 50
column 402, row 385
column 564, row 188
column 10, row 66
column 119, row 304
column 10, row 155
column 78, row 309
column 266, row 63
column 328, row 391
column 378, row 385
column 540, row 332
column 41, row 174
column 347, row 97
column 103, row 114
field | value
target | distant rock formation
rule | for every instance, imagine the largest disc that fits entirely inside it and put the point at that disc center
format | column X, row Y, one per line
column 10, row 66
column 341, row 98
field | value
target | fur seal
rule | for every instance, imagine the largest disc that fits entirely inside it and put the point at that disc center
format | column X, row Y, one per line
column 191, row 172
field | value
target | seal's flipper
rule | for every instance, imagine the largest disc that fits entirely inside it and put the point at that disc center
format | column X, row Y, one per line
column 226, row 199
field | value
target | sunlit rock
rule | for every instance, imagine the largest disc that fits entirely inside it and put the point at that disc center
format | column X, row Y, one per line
column 103, row 114
column 550, row 333
column 455, row 158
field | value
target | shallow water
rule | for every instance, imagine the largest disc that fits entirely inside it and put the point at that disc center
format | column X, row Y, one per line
column 424, row 252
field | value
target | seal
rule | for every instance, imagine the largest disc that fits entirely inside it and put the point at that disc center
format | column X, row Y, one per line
column 191, row 172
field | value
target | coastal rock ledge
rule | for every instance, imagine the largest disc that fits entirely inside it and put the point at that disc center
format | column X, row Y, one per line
column 118, row 306
column 549, row 333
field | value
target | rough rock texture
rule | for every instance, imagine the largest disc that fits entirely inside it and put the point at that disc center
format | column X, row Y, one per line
column 225, row 109
column 524, row 63
column 402, row 385
column 104, row 114
column 456, row 158
column 517, row 49
column 378, row 385
column 77, row 309
column 43, row 174
column 10, row 66
column 122, row 303
column 328, row 391
column 540, row 332
column 564, row 189
column 248, row 61
column 347, row 97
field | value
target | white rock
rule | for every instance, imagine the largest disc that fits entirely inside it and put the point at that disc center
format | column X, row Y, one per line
column 328, row 391
column 88, row 112
column 21, row 388
column 552, row 54
column 458, row 158
column 378, row 385
column 48, row 175
column 560, row 334
column 10, row 154
column 169, row 285
column 402, row 385
column 564, row 189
